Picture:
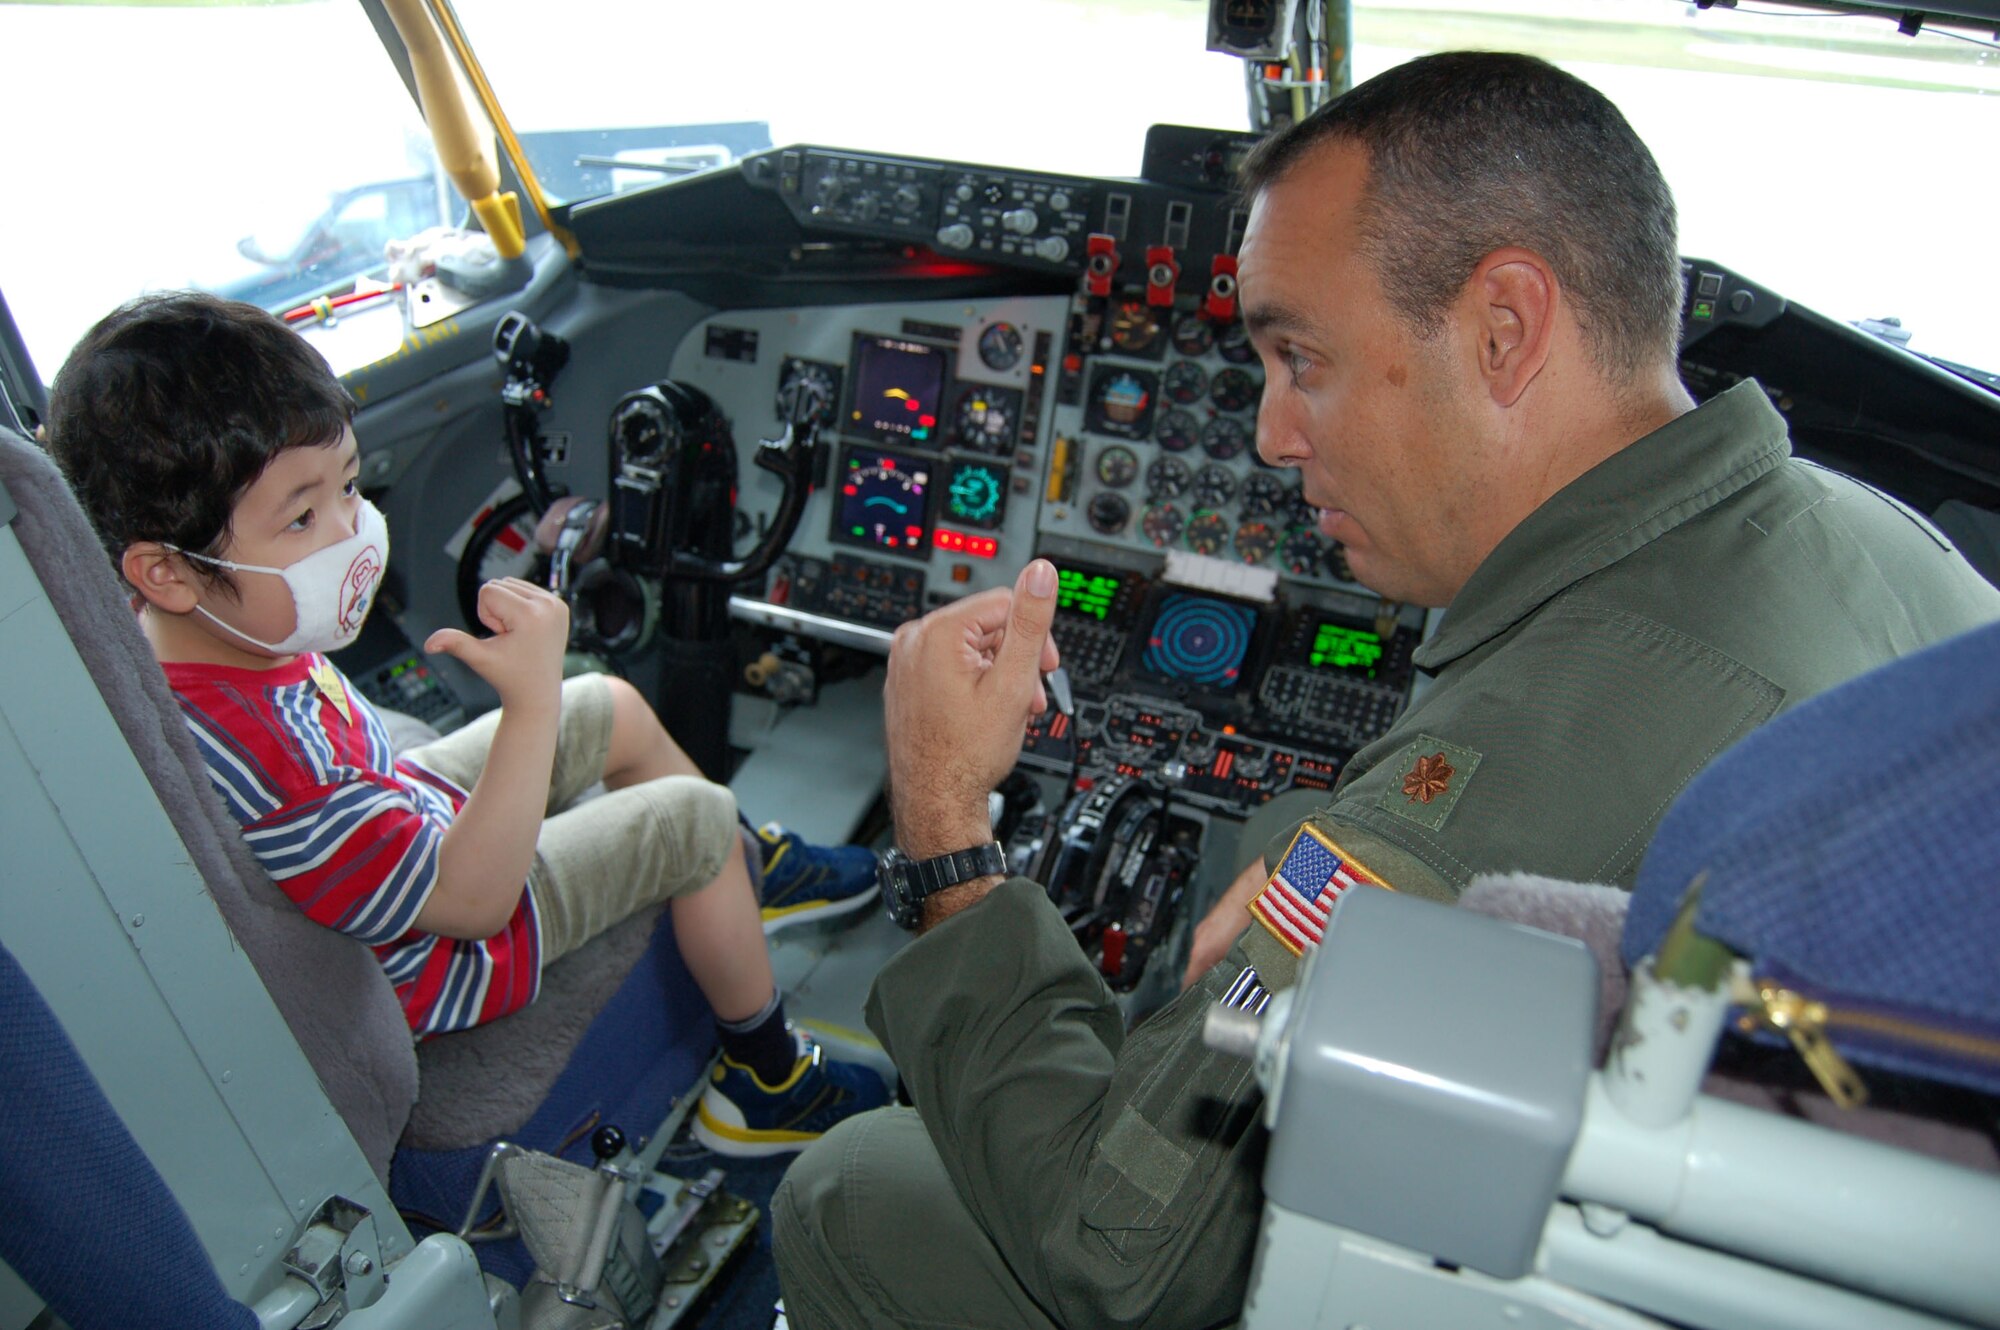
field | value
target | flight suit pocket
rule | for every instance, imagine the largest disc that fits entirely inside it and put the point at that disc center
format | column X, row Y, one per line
column 1172, row 1127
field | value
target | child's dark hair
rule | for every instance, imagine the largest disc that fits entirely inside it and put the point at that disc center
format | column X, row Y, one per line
column 173, row 405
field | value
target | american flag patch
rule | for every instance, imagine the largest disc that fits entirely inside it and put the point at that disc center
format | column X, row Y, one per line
column 1296, row 903
column 1248, row 993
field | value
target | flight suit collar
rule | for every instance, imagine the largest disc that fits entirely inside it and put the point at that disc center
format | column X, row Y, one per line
column 1633, row 497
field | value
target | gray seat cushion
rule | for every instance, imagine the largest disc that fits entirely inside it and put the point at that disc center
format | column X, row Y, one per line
column 488, row 1081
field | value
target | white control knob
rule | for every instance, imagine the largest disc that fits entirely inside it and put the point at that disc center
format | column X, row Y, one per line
column 1059, row 201
column 1053, row 248
column 956, row 236
column 1021, row 221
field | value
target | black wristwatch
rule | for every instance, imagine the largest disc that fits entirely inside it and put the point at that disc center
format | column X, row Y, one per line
column 906, row 882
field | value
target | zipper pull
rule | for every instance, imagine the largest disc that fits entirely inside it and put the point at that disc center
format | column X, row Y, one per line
column 1803, row 1021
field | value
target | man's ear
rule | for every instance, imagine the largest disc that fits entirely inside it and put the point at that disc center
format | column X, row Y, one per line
column 1513, row 298
column 160, row 575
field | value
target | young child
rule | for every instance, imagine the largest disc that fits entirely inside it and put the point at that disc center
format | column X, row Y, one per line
column 212, row 449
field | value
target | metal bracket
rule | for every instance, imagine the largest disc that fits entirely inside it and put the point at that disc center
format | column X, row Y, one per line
column 339, row 1254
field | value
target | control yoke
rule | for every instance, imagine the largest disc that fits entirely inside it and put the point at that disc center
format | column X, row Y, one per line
column 791, row 457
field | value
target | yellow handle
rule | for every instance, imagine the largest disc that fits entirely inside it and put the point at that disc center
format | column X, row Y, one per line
column 464, row 141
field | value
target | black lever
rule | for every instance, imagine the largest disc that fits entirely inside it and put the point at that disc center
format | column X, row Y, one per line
column 790, row 457
column 530, row 359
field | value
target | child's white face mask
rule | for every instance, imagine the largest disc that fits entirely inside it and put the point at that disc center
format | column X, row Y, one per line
column 332, row 589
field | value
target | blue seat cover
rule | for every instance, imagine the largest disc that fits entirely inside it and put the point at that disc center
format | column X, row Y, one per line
column 1852, row 848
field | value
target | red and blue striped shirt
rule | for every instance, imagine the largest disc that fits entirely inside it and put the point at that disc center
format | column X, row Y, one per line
column 352, row 834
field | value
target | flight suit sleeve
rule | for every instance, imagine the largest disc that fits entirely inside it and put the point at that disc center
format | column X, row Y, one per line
column 1119, row 1175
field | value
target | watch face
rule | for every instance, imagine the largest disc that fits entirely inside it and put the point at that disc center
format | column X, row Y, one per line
column 898, row 901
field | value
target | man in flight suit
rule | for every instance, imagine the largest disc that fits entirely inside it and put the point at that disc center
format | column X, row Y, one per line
column 1462, row 279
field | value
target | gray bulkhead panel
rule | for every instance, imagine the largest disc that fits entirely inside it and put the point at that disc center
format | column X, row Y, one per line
column 110, row 921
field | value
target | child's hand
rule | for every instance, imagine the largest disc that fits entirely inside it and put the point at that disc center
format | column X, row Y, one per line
column 523, row 659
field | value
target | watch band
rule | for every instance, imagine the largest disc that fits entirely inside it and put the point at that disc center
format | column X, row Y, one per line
column 906, row 882
column 929, row 876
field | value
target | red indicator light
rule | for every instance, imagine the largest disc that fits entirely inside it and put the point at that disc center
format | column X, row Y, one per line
column 912, row 404
column 927, row 421
column 850, row 489
column 982, row 547
column 916, row 533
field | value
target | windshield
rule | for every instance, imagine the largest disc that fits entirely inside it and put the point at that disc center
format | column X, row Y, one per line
column 1832, row 159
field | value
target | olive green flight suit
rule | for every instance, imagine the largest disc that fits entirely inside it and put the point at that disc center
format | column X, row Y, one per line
column 1066, row 1173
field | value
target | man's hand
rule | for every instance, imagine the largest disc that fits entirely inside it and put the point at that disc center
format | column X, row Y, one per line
column 1220, row 927
column 963, row 682
column 523, row 659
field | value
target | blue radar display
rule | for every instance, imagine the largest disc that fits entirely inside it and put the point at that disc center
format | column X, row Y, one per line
column 1199, row 640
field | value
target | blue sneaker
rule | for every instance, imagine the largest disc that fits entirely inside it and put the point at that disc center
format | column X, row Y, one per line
column 805, row 882
column 740, row 1115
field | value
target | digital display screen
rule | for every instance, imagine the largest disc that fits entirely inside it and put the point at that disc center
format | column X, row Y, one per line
column 1086, row 593
column 898, row 390
column 884, row 501
column 1345, row 649
column 1199, row 640
column 977, row 494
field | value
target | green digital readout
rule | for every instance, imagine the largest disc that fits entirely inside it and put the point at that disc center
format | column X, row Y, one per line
column 1338, row 647
column 1086, row 593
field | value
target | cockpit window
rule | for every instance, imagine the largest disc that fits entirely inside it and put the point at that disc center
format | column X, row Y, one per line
column 263, row 151
column 1832, row 159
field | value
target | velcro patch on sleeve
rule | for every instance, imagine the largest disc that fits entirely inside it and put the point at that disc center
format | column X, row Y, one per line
column 1298, row 899
column 1432, row 775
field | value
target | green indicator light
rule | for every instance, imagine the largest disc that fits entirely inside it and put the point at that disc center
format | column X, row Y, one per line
column 860, row 531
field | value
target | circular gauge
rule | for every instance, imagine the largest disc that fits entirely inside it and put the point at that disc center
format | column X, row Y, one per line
column 1214, row 487
column 1193, row 335
column 984, row 419
column 882, row 502
column 1336, row 562
column 1263, row 494
column 643, row 426
column 1255, row 541
column 1301, row 512
column 1207, row 533
column 1233, row 389
column 1167, row 478
column 807, row 390
column 1234, row 345
column 1135, row 329
column 1223, row 438
column 1121, row 401
column 1178, row 431
column 1000, row 346
column 1302, row 551
column 1108, row 514
column 1162, row 524
column 977, row 494
column 1117, row 466
column 1186, row 382
column 502, row 544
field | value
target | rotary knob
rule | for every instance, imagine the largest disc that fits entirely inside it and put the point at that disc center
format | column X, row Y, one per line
column 907, row 198
column 1053, row 248
column 1021, row 221
column 956, row 236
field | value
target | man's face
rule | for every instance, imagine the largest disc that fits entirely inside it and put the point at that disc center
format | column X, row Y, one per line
column 1381, row 425
column 304, row 500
